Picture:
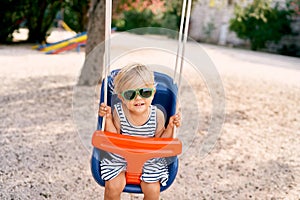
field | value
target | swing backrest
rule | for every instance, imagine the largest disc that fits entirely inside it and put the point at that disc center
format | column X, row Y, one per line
column 164, row 99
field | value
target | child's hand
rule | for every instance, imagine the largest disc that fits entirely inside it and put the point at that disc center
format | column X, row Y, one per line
column 104, row 110
column 175, row 120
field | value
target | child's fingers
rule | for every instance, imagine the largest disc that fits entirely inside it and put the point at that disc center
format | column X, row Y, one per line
column 104, row 110
column 101, row 112
column 177, row 117
column 102, row 106
column 177, row 120
column 177, row 123
column 172, row 121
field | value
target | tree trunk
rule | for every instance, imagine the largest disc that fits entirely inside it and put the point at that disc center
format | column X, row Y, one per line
column 91, row 72
column 35, row 21
column 40, row 18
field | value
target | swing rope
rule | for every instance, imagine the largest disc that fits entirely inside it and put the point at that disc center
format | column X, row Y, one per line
column 182, row 39
column 179, row 39
column 108, row 15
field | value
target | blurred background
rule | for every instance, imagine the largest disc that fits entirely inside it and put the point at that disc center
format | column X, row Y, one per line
column 262, row 25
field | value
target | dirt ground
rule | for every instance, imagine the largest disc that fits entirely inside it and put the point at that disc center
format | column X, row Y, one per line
column 45, row 152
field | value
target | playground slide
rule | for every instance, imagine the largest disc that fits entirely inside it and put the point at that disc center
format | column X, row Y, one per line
column 65, row 26
column 43, row 46
column 67, row 48
column 77, row 39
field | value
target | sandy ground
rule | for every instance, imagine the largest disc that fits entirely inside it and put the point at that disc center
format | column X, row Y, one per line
column 45, row 153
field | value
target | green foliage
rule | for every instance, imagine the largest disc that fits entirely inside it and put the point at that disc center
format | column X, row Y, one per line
column 132, row 14
column 12, row 15
column 134, row 19
column 260, row 23
column 39, row 16
column 172, row 15
column 75, row 14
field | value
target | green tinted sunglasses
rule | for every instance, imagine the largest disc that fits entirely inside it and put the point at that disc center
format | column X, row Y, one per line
column 143, row 92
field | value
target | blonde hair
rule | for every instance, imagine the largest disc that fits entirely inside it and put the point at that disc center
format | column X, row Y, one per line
column 133, row 76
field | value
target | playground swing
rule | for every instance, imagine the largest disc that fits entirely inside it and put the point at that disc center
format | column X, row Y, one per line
column 136, row 150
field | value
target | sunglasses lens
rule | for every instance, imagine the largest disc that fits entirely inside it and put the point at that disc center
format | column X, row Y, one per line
column 146, row 92
column 129, row 94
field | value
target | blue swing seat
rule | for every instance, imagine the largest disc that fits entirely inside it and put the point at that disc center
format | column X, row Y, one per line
column 164, row 99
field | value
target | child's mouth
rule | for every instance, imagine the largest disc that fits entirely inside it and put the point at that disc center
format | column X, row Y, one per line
column 139, row 104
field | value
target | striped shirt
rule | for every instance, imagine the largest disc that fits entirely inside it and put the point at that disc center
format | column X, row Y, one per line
column 154, row 170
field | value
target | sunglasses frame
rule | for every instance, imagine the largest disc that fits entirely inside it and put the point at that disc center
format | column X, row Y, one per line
column 137, row 92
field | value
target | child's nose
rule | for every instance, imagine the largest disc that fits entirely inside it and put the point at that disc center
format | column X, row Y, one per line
column 138, row 96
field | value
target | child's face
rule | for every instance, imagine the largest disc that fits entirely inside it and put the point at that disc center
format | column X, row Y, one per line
column 141, row 98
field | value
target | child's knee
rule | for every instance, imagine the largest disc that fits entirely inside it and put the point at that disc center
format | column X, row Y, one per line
column 151, row 189
column 112, row 188
column 115, row 186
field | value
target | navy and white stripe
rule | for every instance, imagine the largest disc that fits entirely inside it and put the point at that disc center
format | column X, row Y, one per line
column 154, row 170
column 146, row 130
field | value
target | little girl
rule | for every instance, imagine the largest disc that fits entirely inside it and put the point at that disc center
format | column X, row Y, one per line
column 135, row 116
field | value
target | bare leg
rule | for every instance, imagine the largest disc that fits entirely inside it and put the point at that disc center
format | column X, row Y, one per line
column 151, row 190
column 114, row 187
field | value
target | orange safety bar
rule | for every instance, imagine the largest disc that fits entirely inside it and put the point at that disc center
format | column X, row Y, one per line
column 136, row 150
